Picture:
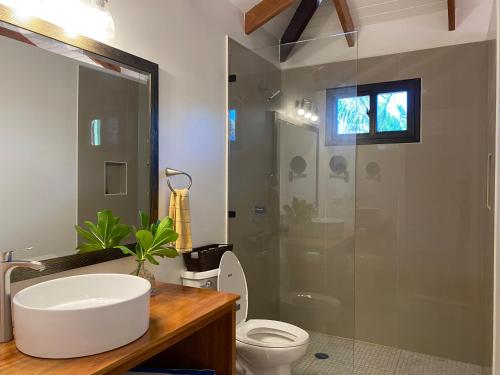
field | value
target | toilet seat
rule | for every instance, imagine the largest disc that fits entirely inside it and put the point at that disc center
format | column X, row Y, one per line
column 271, row 334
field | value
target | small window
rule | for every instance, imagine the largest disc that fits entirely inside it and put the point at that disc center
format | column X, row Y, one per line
column 386, row 112
column 95, row 132
column 232, row 125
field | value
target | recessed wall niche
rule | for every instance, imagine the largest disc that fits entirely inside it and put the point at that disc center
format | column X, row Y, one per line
column 115, row 178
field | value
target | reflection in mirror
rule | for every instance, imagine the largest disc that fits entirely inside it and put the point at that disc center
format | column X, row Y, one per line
column 76, row 140
column 298, row 156
column 338, row 165
column 373, row 171
column 298, row 166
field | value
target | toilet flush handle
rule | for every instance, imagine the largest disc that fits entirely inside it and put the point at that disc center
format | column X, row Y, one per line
column 208, row 284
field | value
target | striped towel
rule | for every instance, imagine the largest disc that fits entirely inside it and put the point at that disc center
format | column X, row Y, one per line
column 180, row 214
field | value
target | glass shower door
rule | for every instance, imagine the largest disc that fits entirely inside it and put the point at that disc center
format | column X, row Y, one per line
column 292, row 193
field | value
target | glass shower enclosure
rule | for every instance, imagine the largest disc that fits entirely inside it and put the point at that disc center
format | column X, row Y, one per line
column 382, row 249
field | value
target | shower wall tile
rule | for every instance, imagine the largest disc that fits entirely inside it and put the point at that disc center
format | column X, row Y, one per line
column 420, row 273
column 431, row 197
column 116, row 102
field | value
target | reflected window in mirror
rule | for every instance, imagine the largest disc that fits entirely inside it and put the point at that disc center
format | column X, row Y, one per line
column 95, row 132
column 233, row 114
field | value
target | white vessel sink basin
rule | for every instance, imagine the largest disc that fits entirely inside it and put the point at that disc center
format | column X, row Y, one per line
column 80, row 315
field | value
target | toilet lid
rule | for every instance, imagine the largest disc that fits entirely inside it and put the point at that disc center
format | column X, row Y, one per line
column 232, row 280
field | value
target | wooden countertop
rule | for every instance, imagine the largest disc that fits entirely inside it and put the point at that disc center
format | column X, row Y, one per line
column 176, row 313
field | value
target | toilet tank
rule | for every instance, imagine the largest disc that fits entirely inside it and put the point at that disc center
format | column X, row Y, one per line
column 206, row 279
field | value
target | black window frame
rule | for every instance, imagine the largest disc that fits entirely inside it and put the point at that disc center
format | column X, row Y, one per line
column 412, row 134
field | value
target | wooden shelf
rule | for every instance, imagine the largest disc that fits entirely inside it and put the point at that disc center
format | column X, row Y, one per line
column 189, row 328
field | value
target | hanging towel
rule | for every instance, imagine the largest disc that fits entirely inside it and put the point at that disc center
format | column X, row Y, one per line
column 180, row 214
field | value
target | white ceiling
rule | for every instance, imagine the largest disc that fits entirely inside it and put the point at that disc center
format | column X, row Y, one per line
column 364, row 12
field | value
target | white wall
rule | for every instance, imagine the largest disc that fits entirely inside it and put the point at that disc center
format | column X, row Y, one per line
column 187, row 38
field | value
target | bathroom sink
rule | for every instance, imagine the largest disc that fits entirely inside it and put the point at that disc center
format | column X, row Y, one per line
column 80, row 315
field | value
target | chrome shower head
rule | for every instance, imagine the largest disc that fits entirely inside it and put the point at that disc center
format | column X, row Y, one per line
column 274, row 95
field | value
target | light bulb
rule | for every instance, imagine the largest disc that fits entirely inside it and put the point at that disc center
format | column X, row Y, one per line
column 308, row 115
column 301, row 111
column 77, row 17
column 314, row 118
column 24, row 9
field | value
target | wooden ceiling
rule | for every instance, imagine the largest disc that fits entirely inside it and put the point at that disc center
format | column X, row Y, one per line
column 266, row 10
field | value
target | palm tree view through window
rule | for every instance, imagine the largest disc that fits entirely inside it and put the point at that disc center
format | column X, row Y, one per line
column 375, row 113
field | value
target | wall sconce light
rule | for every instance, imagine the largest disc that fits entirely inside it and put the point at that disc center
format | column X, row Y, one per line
column 307, row 109
column 308, row 113
column 300, row 107
column 315, row 115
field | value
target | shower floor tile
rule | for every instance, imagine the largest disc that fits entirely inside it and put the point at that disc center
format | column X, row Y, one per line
column 422, row 364
column 376, row 356
column 373, row 359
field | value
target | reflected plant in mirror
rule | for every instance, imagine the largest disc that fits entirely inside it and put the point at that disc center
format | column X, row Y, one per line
column 299, row 212
column 106, row 233
column 298, row 217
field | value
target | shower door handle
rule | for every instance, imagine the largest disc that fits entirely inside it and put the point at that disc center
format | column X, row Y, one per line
column 489, row 164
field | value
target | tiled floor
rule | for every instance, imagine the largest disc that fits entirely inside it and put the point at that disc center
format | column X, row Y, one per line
column 373, row 359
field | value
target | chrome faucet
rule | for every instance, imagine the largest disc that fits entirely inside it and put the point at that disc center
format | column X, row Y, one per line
column 7, row 264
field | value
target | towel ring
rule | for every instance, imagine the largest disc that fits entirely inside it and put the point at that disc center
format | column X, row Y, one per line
column 169, row 172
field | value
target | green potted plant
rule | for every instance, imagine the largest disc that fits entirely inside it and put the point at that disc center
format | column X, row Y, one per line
column 152, row 239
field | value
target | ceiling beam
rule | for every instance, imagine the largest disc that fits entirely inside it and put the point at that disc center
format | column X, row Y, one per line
column 345, row 20
column 15, row 35
column 264, row 12
column 104, row 64
column 451, row 15
column 296, row 27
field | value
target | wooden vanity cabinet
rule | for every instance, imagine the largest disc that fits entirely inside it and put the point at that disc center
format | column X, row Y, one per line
column 189, row 328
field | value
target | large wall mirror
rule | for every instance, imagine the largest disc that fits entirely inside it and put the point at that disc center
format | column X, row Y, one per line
column 79, row 135
column 298, row 155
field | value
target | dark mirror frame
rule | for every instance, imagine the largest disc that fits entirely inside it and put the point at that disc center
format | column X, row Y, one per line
column 64, row 263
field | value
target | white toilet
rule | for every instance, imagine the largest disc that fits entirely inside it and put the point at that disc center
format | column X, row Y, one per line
column 264, row 347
